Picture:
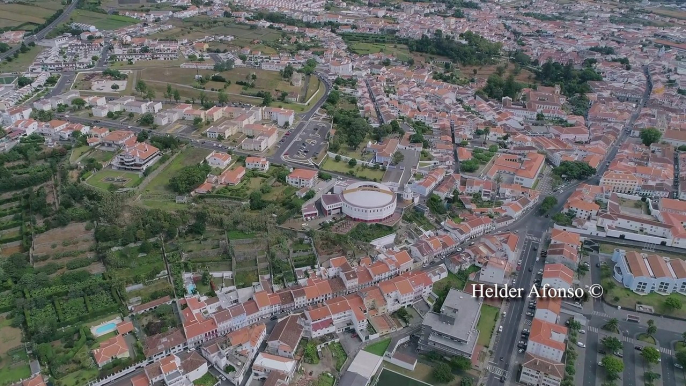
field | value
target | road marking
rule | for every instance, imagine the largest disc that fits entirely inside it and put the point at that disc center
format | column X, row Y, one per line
column 665, row 350
column 527, row 322
column 496, row 370
column 597, row 313
column 593, row 329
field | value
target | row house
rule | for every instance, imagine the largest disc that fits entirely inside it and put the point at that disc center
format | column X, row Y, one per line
column 547, row 340
column 644, row 273
column 236, row 350
column 471, row 227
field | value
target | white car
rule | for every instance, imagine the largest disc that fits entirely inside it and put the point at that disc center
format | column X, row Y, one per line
column 582, row 331
column 580, row 344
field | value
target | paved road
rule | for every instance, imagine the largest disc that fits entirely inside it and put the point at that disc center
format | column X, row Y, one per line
column 41, row 34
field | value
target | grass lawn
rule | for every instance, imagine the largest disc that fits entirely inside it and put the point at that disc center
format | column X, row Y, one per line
column 680, row 346
column 421, row 376
column 454, row 280
column 9, row 374
column 325, row 379
column 646, row 338
column 610, row 249
column 78, row 152
column 312, row 87
column 677, row 14
column 22, row 62
column 14, row 15
column 338, row 354
column 189, row 156
column 101, row 155
column 206, row 380
column 400, row 51
column 77, row 377
column 359, row 171
column 618, row 295
column 245, row 278
column 238, row 235
column 102, row 21
column 163, row 205
column 106, row 177
column 486, row 324
column 378, row 348
column 418, row 219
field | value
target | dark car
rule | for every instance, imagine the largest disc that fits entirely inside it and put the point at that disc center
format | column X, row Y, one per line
column 639, row 348
column 530, row 269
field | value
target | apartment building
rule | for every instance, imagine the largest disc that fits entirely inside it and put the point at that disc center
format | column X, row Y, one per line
column 257, row 163
column 302, row 178
column 540, row 371
column 645, row 273
column 620, row 182
column 557, row 276
column 452, row 331
column 547, row 340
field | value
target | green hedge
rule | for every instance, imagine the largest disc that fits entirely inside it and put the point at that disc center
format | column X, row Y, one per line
column 10, row 225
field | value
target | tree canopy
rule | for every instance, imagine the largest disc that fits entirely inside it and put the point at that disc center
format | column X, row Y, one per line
column 574, row 170
column 571, row 80
column 650, row 136
column 189, row 178
column 476, row 51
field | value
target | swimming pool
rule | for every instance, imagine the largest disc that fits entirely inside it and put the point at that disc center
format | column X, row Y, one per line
column 190, row 288
column 105, row 328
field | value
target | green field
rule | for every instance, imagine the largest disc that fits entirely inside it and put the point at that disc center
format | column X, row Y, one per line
column 7, row 79
column 100, row 179
column 23, row 62
column 400, row 51
column 189, row 156
column 359, row 171
column 378, row 348
column 28, row 15
column 78, row 152
column 102, row 21
column 486, row 324
column 391, row 378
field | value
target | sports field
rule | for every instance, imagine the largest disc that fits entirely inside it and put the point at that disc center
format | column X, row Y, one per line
column 106, row 177
column 391, row 378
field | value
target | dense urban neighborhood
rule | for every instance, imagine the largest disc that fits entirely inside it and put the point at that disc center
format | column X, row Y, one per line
column 321, row 192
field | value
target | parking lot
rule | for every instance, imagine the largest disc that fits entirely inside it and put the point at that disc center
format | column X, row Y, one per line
column 310, row 142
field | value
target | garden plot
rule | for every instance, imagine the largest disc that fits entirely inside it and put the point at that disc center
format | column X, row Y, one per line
column 69, row 247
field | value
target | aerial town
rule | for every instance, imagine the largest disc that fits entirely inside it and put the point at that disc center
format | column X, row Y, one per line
column 322, row 192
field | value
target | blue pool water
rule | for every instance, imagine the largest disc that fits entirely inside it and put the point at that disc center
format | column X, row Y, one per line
column 106, row 328
column 190, row 288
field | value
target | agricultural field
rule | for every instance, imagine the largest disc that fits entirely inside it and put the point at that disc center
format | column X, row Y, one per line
column 358, row 171
column 11, row 225
column 102, row 21
column 69, row 248
column 106, row 178
column 13, row 359
column 265, row 81
column 27, row 15
column 84, row 82
column 675, row 13
column 133, row 265
column 23, row 61
column 400, row 51
column 198, row 27
column 189, row 156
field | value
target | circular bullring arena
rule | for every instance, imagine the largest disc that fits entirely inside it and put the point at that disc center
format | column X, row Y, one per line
column 368, row 201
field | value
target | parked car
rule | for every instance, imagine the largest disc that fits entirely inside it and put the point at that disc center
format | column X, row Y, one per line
column 639, row 348
column 580, row 344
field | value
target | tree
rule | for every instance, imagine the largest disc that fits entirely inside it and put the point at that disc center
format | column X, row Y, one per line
column 460, row 363
column 168, row 93
column 141, row 87
column 650, row 355
column 613, row 366
column 337, row 158
column 672, row 303
column 612, row 344
column 142, row 136
column 651, row 330
column 574, row 170
column 24, row 81
column 681, row 357
column 79, row 103
column 150, row 94
column 611, row 325
column 442, row 373
column 110, row 114
column 266, row 99
column 222, row 98
column 146, row 119
column 650, row 135
column 203, row 97
column 176, row 95
column 436, row 205
column 548, row 204
column 398, row 157
column 225, row 65
column 197, row 122
column 352, row 162
column 114, row 86
column 466, row 381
